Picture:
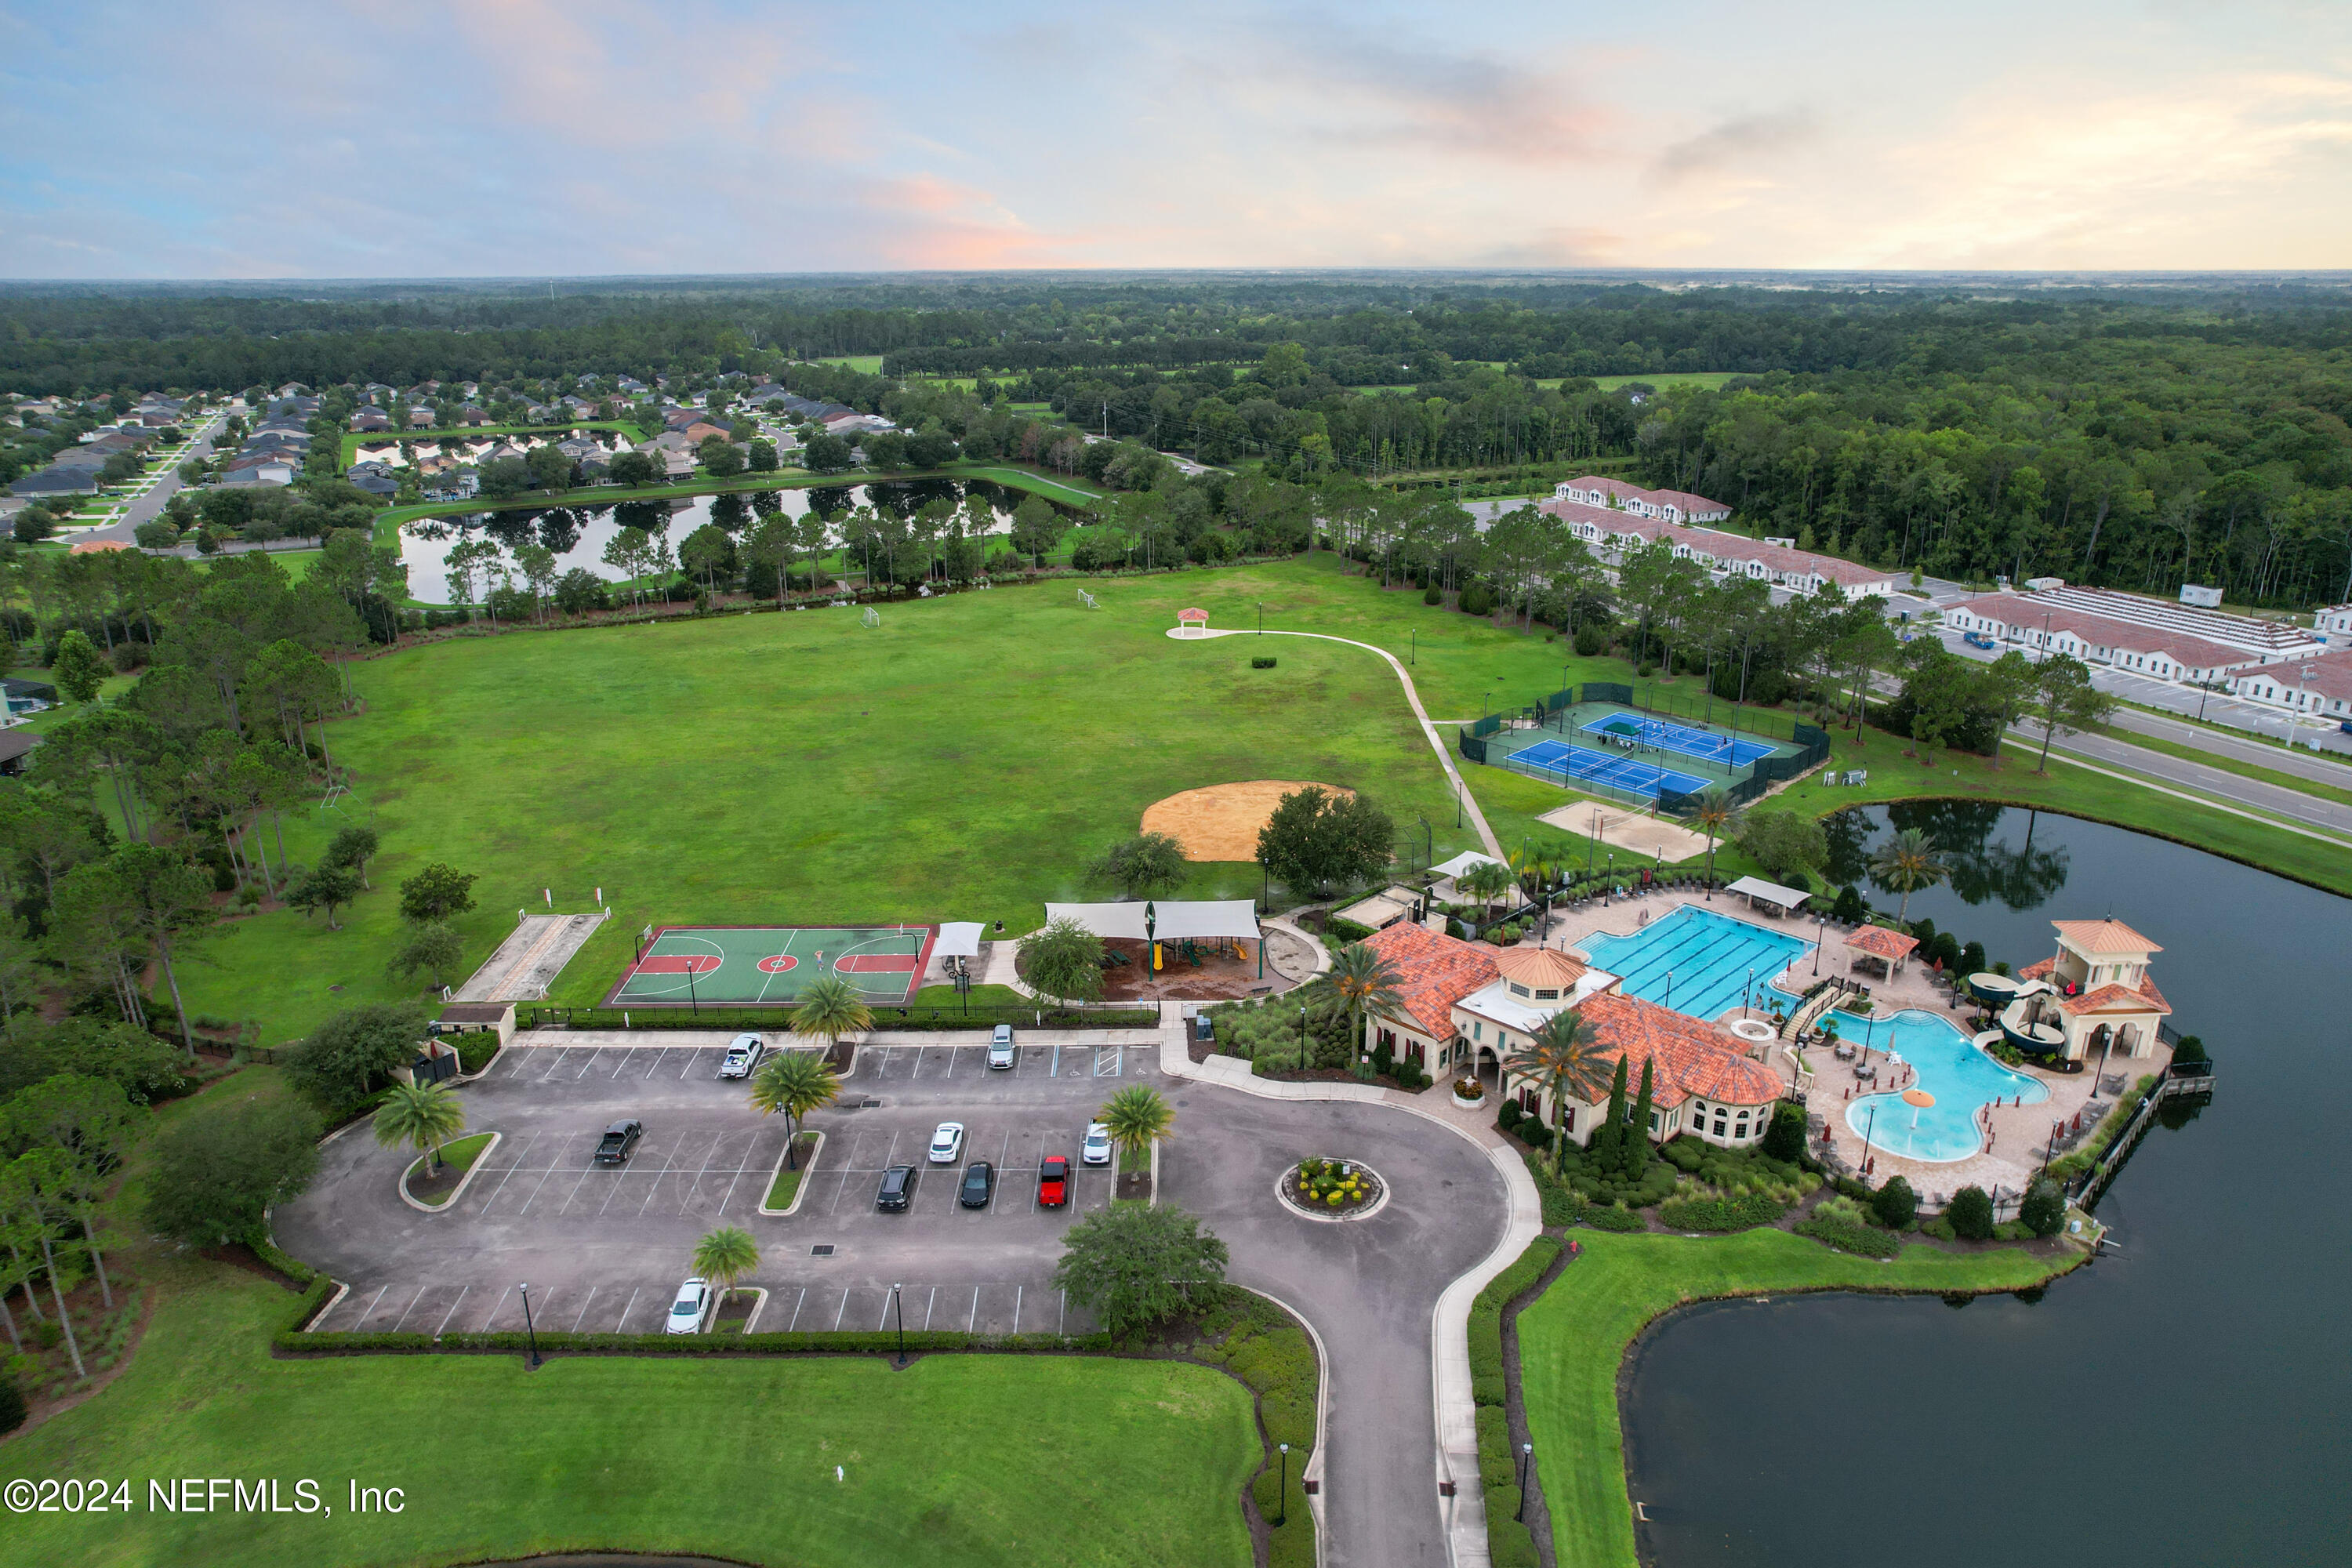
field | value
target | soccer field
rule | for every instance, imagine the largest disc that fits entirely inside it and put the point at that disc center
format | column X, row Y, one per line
column 747, row 966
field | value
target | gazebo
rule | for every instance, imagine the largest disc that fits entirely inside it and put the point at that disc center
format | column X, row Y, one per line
column 1880, row 946
column 1192, row 623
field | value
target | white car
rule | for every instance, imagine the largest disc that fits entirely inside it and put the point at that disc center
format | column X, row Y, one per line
column 1000, row 1046
column 947, row 1143
column 1096, row 1150
column 691, row 1310
column 743, row 1054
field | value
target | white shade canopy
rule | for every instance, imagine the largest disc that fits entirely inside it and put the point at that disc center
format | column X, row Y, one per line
column 1770, row 893
column 958, row 938
column 1176, row 919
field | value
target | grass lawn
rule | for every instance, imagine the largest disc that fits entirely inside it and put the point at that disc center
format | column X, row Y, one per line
column 865, row 364
column 457, row 1157
column 1573, row 1340
column 1711, row 380
column 788, row 1176
column 964, row 762
column 731, row 1458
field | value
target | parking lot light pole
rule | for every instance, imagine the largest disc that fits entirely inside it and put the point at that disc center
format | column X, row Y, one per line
column 1284, row 1516
column 530, row 1329
column 1302, row 1036
column 692, row 1000
column 1525, row 1451
column 899, row 1305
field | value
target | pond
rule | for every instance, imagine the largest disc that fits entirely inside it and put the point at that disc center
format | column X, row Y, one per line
column 2182, row 1400
column 578, row 534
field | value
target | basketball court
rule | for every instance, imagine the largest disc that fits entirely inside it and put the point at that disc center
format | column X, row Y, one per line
column 749, row 966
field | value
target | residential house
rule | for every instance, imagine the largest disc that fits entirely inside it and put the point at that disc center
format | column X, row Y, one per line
column 292, row 389
column 2333, row 624
column 265, row 471
column 368, row 420
column 382, row 485
column 2320, row 686
column 56, row 479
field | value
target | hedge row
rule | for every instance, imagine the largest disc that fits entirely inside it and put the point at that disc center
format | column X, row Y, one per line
column 1255, row 1341
column 1743, row 1212
column 1845, row 1235
column 1509, row 1542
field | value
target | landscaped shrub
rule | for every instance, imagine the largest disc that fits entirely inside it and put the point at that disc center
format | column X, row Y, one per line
column 1743, row 1213
column 1456, row 929
column 1601, row 1217
column 1970, row 1213
column 1531, row 1131
column 1477, row 599
column 1486, row 1385
column 1785, row 1138
column 1345, row 931
column 1851, row 908
column 1263, row 661
column 2190, row 1052
column 1589, row 640
column 2044, row 1210
column 12, row 1404
column 1848, row 1235
column 1435, row 595
column 1972, row 959
column 1509, row 1116
column 1895, row 1205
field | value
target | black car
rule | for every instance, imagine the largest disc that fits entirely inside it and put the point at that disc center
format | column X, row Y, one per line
column 979, row 1185
column 898, row 1189
column 619, row 1139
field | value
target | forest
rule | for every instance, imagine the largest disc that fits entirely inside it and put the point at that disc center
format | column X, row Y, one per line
column 2195, row 430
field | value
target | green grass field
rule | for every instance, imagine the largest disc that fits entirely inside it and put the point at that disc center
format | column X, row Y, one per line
column 964, row 762
column 1573, row 1340
column 865, row 364
column 971, row 1460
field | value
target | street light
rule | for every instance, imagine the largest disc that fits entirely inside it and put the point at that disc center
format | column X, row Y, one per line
column 692, row 1000
column 1302, row 1036
column 530, row 1329
column 1284, row 1517
column 899, row 1305
column 1869, row 1123
column 1525, row 1451
column 1821, row 930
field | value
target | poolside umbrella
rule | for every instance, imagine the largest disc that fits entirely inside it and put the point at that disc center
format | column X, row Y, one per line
column 1918, row 1099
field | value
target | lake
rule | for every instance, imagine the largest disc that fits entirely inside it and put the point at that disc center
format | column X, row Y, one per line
column 2181, row 1400
column 578, row 534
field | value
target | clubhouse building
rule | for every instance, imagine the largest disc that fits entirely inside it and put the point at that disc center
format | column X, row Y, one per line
column 2092, row 997
column 1466, row 1008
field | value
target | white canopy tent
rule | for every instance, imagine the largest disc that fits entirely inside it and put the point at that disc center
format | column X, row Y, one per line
column 1758, row 891
column 958, row 938
column 1460, row 863
column 1174, row 920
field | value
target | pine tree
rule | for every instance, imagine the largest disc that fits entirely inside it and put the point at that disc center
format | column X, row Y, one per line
column 1636, row 1147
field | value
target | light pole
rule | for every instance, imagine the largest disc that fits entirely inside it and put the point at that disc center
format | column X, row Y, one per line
column 1821, row 930
column 1526, row 1450
column 692, row 1001
column 899, row 1306
column 1284, row 1517
column 1302, row 1036
column 530, row 1329
column 1669, row 1002
column 1869, row 1123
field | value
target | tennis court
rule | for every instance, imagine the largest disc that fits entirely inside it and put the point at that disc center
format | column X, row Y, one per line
column 683, row 966
column 1561, row 762
column 1724, row 750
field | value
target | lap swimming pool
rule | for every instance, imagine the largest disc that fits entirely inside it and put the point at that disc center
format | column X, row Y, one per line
column 1951, row 1068
column 1696, row 961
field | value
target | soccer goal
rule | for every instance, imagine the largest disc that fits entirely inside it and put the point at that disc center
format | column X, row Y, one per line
column 872, row 619
column 1088, row 600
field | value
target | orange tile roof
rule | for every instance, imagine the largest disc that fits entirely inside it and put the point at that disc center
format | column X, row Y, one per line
column 2111, row 998
column 1882, row 942
column 1433, row 972
column 2104, row 936
column 2038, row 971
column 1539, row 966
column 1693, row 1059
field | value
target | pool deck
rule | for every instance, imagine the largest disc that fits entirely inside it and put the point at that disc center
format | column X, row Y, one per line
column 2020, row 1134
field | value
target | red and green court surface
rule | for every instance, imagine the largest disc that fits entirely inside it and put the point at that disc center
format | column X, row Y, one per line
column 749, row 965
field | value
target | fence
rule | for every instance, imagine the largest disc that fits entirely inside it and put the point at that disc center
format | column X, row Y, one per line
column 1034, row 1015
column 1766, row 772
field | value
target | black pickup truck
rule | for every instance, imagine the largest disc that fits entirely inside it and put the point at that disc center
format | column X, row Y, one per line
column 619, row 1139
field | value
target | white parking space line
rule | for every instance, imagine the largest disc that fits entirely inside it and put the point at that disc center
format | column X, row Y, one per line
column 798, row 1303
column 1061, row 1324
column 654, row 1065
column 453, row 1310
column 625, row 1310
column 624, row 1175
column 584, row 1309
column 521, row 1156
column 738, row 1176
column 371, row 1306
column 405, row 1310
column 589, row 1063
column 974, row 1321
column 951, row 1059
column 1057, row 1060
column 556, row 1061
column 1016, row 1308
column 628, row 1058
column 843, row 1313
column 927, row 1306
column 544, row 1295
column 577, row 1185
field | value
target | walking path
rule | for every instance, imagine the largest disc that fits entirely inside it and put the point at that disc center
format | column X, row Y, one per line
column 1444, row 757
column 528, row 962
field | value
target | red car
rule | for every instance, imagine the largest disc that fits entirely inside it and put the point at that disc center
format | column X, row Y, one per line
column 1054, row 1182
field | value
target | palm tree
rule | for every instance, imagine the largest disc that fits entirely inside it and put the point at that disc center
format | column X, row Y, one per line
column 1562, row 1056
column 1486, row 881
column 1136, row 1118
column 1365, row 982
column 1906, row 863
column 725, row 1255
column 1717, row 815
column 830, row 1008
column 422, row 1115
column 794, row 1083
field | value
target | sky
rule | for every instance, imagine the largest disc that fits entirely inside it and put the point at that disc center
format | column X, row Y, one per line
column 509, row 138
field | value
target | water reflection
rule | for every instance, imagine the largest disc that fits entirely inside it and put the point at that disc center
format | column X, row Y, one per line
column 1991, row 849
column 578, row 535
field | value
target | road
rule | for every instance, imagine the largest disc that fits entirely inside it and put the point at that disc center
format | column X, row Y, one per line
column 150, row 502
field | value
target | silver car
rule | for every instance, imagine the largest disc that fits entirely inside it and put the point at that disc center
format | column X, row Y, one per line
column 1096, row 1150
column 743, row 1054
column 947, row 1143
column 1000, row 1046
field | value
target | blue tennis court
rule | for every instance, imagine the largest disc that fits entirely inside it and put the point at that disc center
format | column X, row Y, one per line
column 1666, row 735
column 1619, row 772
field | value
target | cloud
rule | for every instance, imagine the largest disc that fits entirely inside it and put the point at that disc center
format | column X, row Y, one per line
column 1735, row 141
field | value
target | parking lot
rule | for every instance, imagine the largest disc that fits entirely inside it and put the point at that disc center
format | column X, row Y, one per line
column 604, row 1248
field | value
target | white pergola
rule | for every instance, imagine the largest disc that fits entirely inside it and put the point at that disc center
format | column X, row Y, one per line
column 1758, row 891
column 1169, row 920
column 958, row 938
